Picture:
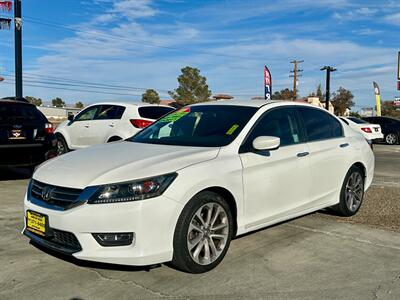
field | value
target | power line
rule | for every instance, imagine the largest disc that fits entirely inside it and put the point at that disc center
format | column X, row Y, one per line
column 72, row 89
column 78, row 83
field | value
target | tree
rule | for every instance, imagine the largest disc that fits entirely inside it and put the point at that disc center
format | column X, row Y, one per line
column 192, row 88
column 151, row 96
column 341, row 100
column 389, row 110
column 58, row 102
column 318, row 93
column 34, row 101
column 79, row 104
column 285, row 94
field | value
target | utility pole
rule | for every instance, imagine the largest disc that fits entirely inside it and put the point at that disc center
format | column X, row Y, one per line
column 295, row 75
column 18, row 48
column 328, row 69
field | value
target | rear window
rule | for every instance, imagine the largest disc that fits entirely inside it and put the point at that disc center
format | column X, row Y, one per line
column 11, row 112
column 357, row 121
column 154, row 112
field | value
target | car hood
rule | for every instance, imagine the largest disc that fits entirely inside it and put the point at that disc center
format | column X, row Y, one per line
column 119, row 162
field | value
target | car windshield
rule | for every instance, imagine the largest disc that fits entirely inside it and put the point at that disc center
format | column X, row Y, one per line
column 357, row 121
column 202, row 125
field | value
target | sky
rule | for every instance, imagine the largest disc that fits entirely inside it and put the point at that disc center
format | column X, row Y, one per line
column 130, row 45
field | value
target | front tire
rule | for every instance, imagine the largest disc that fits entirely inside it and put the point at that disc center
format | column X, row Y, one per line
column 351, row 194
column 391, row 139
column 203, row 233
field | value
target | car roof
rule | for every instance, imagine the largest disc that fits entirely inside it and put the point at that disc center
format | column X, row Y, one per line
column 131, row 104
column 15, row 100
column 256, row 103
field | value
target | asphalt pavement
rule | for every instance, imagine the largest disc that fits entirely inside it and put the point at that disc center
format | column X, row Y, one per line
column 312, row 257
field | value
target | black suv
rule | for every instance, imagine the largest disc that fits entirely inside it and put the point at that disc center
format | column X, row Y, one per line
column 390, row 128
column 26, row 136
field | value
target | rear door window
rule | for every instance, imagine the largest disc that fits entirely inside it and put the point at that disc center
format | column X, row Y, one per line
column 110, row 112
column 14, row 112
column 320, row 125
column 154, row 112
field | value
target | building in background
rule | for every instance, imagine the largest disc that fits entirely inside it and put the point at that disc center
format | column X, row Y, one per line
column 58, row 114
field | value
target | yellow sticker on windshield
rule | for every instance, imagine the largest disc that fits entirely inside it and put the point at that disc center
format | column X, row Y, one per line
column 172, row 117
column 232, row 129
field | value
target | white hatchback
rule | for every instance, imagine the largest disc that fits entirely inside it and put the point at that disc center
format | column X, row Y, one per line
column 106, row 122
column 183, row 187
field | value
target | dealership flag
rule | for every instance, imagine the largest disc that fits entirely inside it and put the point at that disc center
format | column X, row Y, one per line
column 377, row 99
column 267, row 84
column 5, row 5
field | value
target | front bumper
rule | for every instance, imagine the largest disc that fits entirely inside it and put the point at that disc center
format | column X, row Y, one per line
column 153, row 221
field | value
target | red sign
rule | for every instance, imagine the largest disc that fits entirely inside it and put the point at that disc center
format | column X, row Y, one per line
column 267, row 84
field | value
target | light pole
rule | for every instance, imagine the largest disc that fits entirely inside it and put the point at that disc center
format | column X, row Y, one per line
column 18, row 48
column 328, row 69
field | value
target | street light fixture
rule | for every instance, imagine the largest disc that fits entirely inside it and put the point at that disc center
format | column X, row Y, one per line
column 328, row 69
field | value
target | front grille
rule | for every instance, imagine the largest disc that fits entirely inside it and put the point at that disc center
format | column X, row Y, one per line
column 61, row 241
column 51, row 195
column 66, row 239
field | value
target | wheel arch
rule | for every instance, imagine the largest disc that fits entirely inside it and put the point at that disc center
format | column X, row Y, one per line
column 114, row 138
column 230, row 200
column 362, row 167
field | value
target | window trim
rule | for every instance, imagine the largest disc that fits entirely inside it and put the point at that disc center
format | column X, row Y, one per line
column 304, row 127
column 243, row 149
column 112, row 105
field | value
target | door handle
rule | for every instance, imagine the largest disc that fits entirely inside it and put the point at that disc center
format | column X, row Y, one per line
column 344, row 145
column 87, row 126
column 302, row 154
column 111, row 125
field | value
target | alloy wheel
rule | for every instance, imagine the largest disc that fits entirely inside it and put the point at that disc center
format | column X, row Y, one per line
column 60, row 148
column 354, row 191
column 391, row 139
column 208, row 233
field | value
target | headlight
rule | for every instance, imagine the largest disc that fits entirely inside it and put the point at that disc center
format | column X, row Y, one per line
column 132, row 191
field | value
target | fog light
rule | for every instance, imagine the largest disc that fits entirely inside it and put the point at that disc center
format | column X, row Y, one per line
column 114, row 239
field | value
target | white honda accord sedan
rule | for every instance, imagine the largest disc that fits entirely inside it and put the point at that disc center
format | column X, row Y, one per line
column 182, row 188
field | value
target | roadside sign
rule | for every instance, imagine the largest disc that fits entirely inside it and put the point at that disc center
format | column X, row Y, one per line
column 396, row 102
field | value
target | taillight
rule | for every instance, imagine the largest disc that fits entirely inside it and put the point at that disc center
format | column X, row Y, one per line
column 139, row 123
column 366, row 129
column 48, row 128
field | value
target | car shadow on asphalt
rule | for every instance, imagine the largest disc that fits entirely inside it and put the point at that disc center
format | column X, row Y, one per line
column 94, row 265
column 8, row 173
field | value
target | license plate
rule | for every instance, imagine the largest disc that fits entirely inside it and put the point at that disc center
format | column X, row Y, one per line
column 17, row 134
column 36, row 222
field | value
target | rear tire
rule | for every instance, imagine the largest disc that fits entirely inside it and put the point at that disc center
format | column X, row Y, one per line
column 391, row 139
column 203, row 233
column 351, row 194
column 62, row 146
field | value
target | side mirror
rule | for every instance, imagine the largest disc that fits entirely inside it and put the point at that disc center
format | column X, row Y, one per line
column 70, row 117
column 266, row 143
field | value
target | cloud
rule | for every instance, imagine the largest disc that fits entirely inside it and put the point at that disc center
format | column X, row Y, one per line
column 393, row 19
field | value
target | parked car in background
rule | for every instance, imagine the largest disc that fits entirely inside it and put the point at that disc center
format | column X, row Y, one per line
column 390, row 128
column 371, row 132
column 26, row 136
column 106, row 122
column 182, row 188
